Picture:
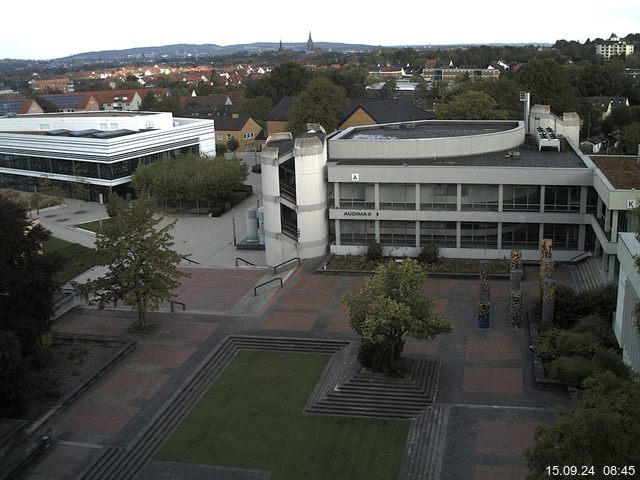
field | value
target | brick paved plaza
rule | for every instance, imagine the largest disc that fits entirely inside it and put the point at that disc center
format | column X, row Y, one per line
column 485, row 376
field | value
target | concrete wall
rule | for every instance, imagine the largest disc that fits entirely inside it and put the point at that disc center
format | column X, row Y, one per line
column 345, row 148
column 78, row 121
column 624, row 325
column 567, row 126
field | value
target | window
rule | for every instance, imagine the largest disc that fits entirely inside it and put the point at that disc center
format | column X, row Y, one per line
column 357, row 195
column 479, row 235
column 480, row 197
column 520, row 235
column 220, row 137
column 521, row 198
column 564, row 237
column 442, row 234
column 398, row 233
column 439, row 196
column 398, row 196
column 357, row 232
column 562, row 199
column 229, row 137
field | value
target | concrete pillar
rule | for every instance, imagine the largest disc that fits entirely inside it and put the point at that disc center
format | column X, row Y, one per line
column 418, row 233
column 583, row 200
column 337, row 232
column 377, row 229
column 607, row 220
column 336, row 194
column 582, row 233
column 376, row 196
column 599, row 208
column 417, row 196
column 499, row 245
column 542, row 199
column 612, row 268
column 458, row 230
column 614, row 225
column 500, row 201
column 459, row 198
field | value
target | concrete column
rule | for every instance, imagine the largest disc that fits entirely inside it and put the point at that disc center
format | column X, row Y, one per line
column 599, row 207
column 540, row 234
column 459, row 203
column 337, row 232
column 336, row 194
column 583, row 200
column 417, row 196
column 582, row 233
column 612, row 268
column 417, row 233
column 500, row 201
column 607, row 220
column 376, row 196
column 499, row 246
column 604, row 262
column 377, row 227
column 614, row 225
column 458, row 228
column 542, row 199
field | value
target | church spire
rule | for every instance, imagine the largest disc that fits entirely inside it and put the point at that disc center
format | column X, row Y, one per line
column 309, row 42
column 280, row 47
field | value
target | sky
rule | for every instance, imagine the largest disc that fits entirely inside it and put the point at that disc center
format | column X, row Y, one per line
column 42, row 30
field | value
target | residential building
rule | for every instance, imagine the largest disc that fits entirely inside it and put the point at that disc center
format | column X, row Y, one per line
column 73, row 102
column 607, row 104
column 358, row 111
column 98, row 149
column 241, row 127
column 62, row 84
column 449, row 74
column 18, row 106
column 118, row 100
column 614, row 47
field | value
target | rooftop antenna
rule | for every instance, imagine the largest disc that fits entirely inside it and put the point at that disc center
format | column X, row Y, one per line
column 525, row 97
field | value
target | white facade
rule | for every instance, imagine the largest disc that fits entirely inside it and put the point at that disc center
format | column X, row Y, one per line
column 625, row 324
column 294, row 193
column 69, row 147
column 608, row 50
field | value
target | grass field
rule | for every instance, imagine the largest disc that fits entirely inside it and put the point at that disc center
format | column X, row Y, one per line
column 95, row 225
column 251, row 417
column 77, row 259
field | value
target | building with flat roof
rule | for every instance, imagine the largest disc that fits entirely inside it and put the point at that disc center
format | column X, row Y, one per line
column 98, row 149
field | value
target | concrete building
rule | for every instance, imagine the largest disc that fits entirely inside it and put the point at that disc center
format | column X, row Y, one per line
column 614, row 47
column 99, row 149
column 625, row 324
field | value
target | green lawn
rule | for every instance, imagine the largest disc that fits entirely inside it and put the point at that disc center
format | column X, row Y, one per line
column 251, row 417
column 77, row 259
column 95, row 225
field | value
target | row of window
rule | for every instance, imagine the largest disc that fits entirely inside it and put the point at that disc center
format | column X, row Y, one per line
column 78, row 168
column 444, row 196
column 444, row 234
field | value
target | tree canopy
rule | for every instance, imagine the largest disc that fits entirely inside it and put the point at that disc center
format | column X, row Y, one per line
column 142, row 266
column 392, row 304
column 286, row 80
column 602, row 431
column 321, row 102
column 27, row 280
column 471, row 105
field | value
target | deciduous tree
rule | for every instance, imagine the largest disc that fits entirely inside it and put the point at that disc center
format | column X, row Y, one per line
column 142, row 266
column 470, row 105
column 392, row 304
column 321, row 102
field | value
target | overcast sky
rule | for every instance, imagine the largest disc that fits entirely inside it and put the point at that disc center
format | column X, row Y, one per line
column 42, row 30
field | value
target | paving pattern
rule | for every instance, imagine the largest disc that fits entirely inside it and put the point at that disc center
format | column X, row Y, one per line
column 484, row 414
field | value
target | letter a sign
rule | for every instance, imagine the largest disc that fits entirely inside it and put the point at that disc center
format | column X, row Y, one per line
column 355, row 177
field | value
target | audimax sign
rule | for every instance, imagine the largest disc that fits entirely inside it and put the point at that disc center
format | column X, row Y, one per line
column 360, row 213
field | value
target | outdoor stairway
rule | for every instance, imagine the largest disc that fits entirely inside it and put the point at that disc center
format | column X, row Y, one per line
column 586, row 274
column 375, row 395
column 426, row 443
column 116, row 463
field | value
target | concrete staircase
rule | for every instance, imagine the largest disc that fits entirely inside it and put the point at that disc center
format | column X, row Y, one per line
column 371, row 394
column 424, row 452
column 586, row 275
column 117, row 463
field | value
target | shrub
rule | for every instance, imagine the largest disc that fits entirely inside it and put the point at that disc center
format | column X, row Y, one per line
column 429, row 254
column 374, row 356
column 546, row 344
column 596, row 326
column 574, row 343
column 607, row 359
column 571, row 370
column 570, row 306
column 374, row 252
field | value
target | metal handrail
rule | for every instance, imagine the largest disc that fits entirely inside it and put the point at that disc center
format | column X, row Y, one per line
column 580, row 257
column 245, row 261
column 184, row 307
column 184, row 257
column 275, row 269
column 255, row 289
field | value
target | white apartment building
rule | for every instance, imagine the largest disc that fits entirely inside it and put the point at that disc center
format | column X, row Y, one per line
column 614, row 47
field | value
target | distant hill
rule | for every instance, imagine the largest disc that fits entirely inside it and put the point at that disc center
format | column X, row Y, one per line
column 183, row 50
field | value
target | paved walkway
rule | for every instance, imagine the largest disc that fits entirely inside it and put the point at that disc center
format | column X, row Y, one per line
column 208, row 241
column 486, row 377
